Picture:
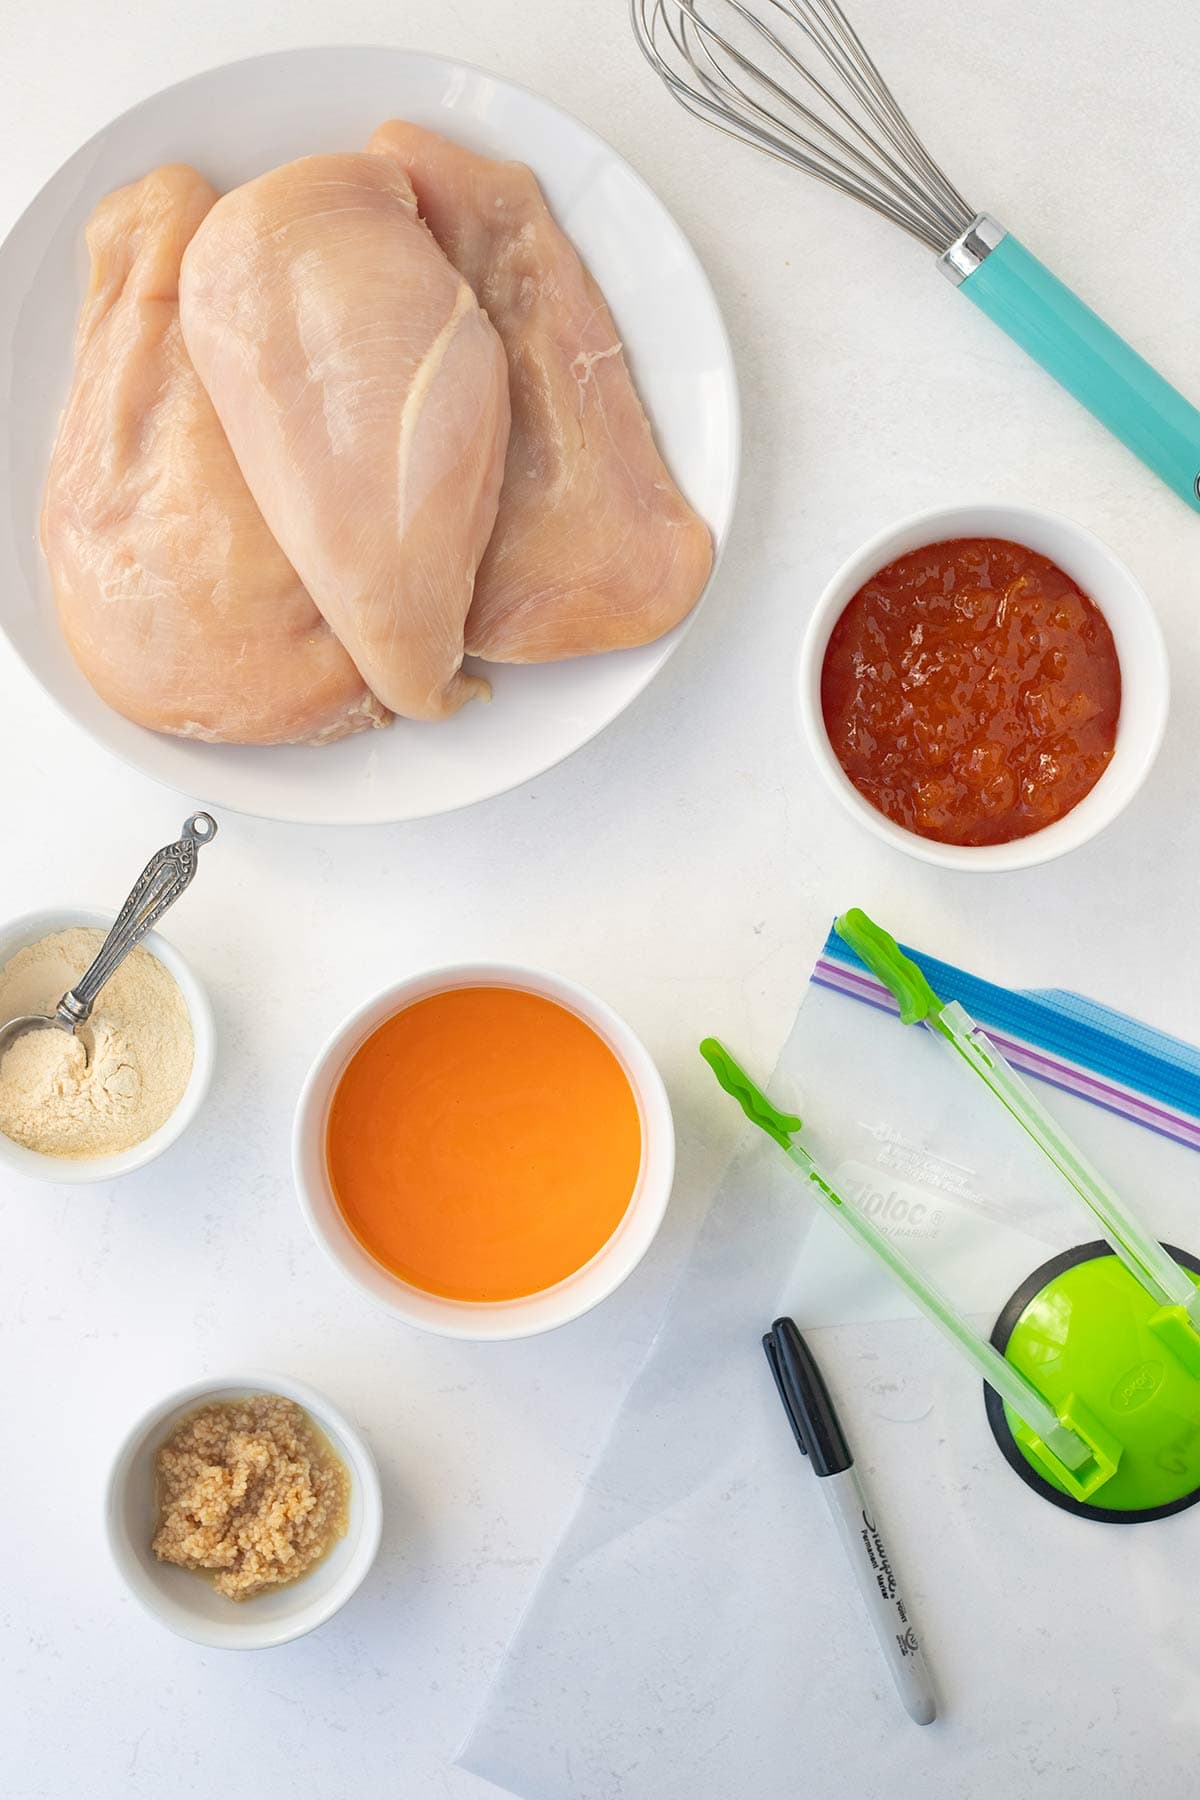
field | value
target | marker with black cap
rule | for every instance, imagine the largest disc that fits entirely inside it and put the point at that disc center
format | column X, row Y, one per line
column 818, row 1432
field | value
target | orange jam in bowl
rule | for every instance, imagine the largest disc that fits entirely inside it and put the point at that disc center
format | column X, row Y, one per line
column 971, row 691
column 484, row 1143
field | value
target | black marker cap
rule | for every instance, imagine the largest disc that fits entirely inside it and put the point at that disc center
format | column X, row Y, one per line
column 806, row 1401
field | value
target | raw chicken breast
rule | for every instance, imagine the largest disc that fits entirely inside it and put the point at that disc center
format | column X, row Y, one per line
column 366, row 398
column 178, row 604
column 594, row 548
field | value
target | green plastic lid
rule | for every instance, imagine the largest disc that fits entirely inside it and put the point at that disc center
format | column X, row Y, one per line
column 1109, row 1357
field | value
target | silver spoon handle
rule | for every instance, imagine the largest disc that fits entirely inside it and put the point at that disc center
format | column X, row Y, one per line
column 157, row 887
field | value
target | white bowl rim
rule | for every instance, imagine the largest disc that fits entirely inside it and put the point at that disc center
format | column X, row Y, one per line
column 86, row 1170
column 1103, row 803
column 365, row 1474
column 497, row 1320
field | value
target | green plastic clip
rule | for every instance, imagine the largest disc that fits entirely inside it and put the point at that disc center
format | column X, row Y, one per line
column 1174, row 1326
column 888, row 963
column 753, row 1102
column 1106, row 1450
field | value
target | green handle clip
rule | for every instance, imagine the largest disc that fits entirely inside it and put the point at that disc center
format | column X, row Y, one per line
column 888, row 963
column 753, row 1102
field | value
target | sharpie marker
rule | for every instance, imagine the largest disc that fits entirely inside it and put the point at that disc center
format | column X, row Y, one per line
column 818, row 1432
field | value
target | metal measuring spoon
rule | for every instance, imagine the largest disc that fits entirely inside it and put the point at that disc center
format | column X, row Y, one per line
column 157, row 887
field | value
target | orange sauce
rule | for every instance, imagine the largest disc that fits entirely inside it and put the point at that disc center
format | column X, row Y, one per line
column 483, row 1143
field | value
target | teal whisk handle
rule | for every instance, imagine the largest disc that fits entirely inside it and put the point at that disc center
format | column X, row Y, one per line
column 1083, row 354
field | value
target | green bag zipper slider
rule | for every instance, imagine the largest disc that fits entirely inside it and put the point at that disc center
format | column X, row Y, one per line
column 888, row 963
column 753, row 1102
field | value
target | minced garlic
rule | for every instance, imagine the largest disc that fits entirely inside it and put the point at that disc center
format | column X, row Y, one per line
column 251, row 1493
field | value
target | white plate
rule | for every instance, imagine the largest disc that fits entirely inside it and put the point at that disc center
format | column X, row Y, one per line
column 232, row 123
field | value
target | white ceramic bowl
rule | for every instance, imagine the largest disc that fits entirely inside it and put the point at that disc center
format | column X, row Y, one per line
column 491, row 1319
column 27, row 930
column 1140, row 649
column 186, row 1603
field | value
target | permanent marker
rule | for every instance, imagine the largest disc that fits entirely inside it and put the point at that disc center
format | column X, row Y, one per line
column 818, row 1432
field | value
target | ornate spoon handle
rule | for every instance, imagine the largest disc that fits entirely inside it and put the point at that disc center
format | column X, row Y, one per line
column 157, row 887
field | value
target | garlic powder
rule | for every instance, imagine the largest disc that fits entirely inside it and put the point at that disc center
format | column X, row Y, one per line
column 139, row 1045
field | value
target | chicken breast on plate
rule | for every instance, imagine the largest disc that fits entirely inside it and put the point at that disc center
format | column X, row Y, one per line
column 594, row 547
column 178, row 604
column 366, row 399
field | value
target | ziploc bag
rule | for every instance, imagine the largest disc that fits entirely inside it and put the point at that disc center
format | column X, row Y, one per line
column 694, row 1633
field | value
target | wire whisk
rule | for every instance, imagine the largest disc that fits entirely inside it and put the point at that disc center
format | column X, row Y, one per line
column 861, row 143
column 793, row 79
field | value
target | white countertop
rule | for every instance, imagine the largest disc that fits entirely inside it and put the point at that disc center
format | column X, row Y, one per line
column 686, row 865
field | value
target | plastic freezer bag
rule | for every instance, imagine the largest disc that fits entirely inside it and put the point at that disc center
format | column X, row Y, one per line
column 696, row 1633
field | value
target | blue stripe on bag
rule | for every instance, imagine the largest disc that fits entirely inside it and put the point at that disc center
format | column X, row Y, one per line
column 1094, row 1037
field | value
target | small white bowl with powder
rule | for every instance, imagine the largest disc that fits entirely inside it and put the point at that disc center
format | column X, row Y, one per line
column 150, row 1044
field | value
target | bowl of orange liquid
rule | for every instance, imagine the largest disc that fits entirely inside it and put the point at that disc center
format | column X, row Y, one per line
column 486, row 1150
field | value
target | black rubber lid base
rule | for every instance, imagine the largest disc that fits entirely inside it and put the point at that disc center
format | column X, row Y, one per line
column 994, row 1406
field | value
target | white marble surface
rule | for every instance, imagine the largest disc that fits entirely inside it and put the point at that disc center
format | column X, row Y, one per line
column 685, row 865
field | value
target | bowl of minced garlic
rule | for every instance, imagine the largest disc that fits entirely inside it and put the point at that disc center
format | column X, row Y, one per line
column 244, row 1512
column 111, row 1097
